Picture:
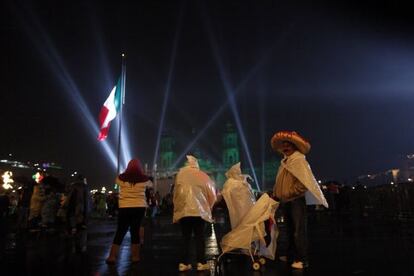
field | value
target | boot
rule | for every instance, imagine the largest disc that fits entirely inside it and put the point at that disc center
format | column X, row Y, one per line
column 113, row 254
column 135, row 253
column 141, row 235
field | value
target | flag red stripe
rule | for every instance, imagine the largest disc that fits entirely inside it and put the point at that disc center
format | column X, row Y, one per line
column 102, row 115
column 103, row 130
column 103, row 133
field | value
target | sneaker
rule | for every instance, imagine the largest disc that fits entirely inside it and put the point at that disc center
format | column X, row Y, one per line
column 201, row 267
column 283, row 259
column 184, row 267
column 298, row 265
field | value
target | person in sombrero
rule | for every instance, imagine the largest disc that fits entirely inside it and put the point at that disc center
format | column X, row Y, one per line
column 295, row 187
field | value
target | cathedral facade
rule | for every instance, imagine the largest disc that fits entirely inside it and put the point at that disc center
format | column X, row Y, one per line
column 230, row 155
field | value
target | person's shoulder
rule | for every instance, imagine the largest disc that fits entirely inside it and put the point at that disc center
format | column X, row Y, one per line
column 297, row 157
column 122, row 184
column 297, row 154
column 180, row 172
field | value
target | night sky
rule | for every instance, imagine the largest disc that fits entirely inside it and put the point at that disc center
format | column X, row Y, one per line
column 340, row 74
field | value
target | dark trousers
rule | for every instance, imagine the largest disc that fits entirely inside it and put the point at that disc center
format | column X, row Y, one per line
column 188, row 226
column 129, row 218
column 296, row 222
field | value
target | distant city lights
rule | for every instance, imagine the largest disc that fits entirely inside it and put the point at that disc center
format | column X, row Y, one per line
column 16, row 164
column 7, row 180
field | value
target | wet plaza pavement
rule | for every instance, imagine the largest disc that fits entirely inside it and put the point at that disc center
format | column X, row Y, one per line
column 375, row 245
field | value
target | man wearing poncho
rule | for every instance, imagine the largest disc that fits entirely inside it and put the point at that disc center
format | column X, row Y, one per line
column 295, row 188
column 194, row 196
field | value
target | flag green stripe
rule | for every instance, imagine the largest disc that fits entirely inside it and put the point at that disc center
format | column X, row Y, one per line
column 118, row 95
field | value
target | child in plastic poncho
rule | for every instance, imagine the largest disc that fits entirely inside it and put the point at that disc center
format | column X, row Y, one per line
column 194, row 196
column 237, row 194
column 251, row 221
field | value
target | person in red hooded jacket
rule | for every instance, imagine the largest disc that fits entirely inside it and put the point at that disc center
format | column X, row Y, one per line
column 132, row 203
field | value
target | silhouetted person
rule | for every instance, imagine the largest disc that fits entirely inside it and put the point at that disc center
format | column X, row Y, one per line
column 24, row 203
column 36, row 204
column 78, row 211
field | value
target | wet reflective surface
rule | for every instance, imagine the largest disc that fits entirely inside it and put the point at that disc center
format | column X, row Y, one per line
column 375, row 245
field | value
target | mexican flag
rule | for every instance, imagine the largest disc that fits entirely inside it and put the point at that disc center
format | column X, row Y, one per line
column 109, row 110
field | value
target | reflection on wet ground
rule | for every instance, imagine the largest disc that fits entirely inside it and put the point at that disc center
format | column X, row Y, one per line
column 364, row 246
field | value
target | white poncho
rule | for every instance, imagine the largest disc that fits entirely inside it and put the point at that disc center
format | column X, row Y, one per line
column 194, row 193
column 252, row 229
column 238, row 195
column 297, row 165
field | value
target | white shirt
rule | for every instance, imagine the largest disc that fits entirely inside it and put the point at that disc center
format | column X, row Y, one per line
column 132, row 195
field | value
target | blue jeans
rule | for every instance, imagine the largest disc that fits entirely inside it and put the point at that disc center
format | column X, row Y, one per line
column 296, row 222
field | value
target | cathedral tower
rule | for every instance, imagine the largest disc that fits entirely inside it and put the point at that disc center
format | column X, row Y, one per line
column 167, row 155
column 230, row 147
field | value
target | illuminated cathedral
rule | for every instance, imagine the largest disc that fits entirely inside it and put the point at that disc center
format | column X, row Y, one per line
column 230, row 155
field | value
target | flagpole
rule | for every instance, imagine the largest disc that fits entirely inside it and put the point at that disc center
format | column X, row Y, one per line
column 123, row 79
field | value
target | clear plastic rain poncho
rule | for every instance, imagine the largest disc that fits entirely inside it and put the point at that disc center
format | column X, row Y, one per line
column 250, row 234
column 238, row 195
column 194, row 192
column 297, row 165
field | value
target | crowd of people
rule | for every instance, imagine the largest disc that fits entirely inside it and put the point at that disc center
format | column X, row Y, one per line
column 43, row 205
column 47, row 205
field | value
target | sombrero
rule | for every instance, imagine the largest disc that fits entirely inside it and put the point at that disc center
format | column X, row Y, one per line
column 290, row 136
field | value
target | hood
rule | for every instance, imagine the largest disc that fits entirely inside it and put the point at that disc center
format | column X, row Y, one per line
column 192, row 162
column 235, row 173
column 133, row 173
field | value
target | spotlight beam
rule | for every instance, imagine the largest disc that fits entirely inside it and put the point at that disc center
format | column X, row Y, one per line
column 199, row 135
column 231, row 96
column 125, row 149
column 168, row 88
column 262, row 111
column 47, row 50
column 100, row 45
column 107, row 73
column 216, row 114
column 265, row 58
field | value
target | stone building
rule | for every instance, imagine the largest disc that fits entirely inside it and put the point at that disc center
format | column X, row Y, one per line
column 230, row 154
